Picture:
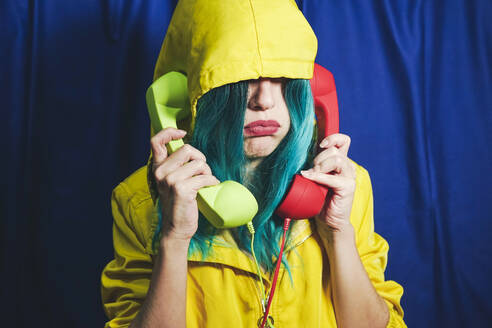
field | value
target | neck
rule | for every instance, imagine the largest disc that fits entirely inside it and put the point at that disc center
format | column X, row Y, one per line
column 251, row 165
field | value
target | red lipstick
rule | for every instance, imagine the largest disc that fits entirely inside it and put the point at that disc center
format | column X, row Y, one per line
column 261, row 128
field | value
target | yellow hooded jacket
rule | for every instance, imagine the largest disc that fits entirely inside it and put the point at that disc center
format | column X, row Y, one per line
column 215, row 42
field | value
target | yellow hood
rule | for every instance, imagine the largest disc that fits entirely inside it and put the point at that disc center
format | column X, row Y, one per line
column 216, row 42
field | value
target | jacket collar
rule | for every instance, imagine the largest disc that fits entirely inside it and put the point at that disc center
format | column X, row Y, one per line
column 226, row 251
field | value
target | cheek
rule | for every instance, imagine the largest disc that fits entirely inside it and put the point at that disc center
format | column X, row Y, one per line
column 285, row 124
column 284, row 116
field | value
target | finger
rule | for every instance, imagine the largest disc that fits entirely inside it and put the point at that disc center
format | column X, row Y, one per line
column 177, row 159
column 339, row 140
column 326, row 153
column 188, row 170
column 337, row 164
column 338, row 183
column 188, row 188
column 159, row 141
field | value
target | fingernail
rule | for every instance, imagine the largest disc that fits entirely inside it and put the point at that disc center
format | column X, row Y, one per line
column 307, row 173
column 183, row 131
column 323, row 143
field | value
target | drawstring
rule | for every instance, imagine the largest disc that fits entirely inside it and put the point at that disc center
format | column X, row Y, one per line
column 266, row 318
column 258, row 271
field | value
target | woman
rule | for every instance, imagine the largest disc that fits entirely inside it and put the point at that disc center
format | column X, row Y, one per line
column 247, row 64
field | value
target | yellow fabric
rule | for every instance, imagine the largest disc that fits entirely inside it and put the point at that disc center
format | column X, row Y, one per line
column 215, row 42
column 223, row 291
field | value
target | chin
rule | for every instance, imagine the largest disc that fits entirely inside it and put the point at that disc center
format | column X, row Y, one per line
column 254, row 149
column 257, row 155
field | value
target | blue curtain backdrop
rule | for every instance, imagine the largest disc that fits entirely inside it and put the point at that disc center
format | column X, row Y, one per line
column 415, row 95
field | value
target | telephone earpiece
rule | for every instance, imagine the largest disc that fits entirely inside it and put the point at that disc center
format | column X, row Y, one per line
column 226, row 205
column 305, row 198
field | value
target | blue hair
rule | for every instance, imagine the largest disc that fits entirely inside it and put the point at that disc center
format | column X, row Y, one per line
column 218, row 135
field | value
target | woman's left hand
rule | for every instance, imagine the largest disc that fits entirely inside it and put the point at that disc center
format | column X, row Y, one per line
column 332, row 168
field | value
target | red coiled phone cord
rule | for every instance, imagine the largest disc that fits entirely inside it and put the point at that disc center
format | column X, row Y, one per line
column 275, row 276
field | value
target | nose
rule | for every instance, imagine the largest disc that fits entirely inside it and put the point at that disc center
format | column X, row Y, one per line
column 261, row 94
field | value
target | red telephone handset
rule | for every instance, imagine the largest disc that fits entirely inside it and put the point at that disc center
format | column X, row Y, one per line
column 305, row 198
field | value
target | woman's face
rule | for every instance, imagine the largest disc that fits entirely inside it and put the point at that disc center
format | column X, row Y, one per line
column 267, row 119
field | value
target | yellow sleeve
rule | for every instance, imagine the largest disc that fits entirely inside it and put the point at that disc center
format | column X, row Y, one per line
column 125, row 280
column 373, row 249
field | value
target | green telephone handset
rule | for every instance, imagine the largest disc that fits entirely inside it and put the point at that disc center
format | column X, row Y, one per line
column 226, row 205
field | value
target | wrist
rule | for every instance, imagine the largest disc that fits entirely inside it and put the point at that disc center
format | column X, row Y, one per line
column 345, row 235
column 177, row 233
column 174, row 244
column 339, row 239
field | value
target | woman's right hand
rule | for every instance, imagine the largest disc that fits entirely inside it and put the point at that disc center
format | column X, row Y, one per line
column 178, row 178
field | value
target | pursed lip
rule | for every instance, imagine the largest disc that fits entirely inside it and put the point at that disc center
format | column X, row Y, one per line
column 261, row 128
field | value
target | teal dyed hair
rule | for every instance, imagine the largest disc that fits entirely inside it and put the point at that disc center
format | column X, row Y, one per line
column 219, row 135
